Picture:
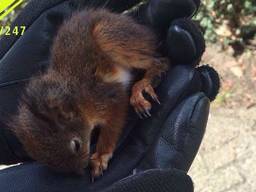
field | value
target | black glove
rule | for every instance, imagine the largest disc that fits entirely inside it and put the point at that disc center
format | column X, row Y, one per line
column 170, row 139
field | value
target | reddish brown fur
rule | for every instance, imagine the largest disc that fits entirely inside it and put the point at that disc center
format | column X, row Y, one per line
column 79, row 91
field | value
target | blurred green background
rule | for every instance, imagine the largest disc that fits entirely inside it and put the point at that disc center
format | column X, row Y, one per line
column 230, row 22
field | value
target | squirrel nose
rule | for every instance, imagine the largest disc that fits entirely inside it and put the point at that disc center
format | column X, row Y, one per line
column 75, row 145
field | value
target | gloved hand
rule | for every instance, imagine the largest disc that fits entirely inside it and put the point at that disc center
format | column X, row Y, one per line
column 153, row 153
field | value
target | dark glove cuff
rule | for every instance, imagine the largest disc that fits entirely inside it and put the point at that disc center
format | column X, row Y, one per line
column 186, row 43
column 210, row 81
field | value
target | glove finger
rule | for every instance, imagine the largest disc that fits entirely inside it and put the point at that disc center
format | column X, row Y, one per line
column 180, row 137
column 210, row 80
column 188, row 40
column 183, row 133
column 154, row 180
column 160, row 13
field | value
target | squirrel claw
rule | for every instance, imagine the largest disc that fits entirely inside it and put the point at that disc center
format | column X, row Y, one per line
column 149, row 90
column 145, row 114
column 92, row 178
column 148, row 113
column 141, row 105
column 155, row 98
column 142, row 113
column 138, row 113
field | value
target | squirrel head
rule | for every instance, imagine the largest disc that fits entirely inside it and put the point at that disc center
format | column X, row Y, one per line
column 51, row 126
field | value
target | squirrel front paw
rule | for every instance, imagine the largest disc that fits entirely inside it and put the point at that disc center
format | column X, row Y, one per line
column 98, row 164
column 141, row 106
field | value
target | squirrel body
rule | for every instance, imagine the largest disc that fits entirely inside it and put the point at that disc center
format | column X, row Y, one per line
column 87, row 84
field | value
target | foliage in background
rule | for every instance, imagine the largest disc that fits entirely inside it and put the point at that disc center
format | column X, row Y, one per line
column 10, row 17
column 230, row 22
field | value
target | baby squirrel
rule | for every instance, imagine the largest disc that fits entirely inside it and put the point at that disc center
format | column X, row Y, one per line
column 88, row 84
